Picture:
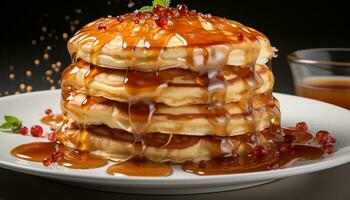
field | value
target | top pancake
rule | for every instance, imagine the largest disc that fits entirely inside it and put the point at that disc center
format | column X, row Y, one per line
column 189, row 41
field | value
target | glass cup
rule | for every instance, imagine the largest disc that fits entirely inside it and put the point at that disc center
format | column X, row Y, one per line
column 322, row 74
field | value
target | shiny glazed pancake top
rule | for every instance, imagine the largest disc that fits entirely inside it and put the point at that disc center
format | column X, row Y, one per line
column 189, row 41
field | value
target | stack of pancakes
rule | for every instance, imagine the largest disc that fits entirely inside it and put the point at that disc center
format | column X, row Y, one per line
column 192, row 89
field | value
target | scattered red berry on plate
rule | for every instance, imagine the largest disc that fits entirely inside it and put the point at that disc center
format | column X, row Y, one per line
column 47, row 162
column 48, row 111
column 323, row 137
column 36, row 131
column 301, row 126
column 333, row 140
column 23, row 130
column 329, row 149
column 259, row 152
column 53, row 128
column 202, row 164
column 51, row 137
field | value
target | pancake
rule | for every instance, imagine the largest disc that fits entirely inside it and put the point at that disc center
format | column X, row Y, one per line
column 119, row 145
column 235, row 119
column 174, row 87
column 192, row 41
column 169, row 86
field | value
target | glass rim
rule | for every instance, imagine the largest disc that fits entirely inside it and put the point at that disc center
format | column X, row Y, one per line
column 292, row 57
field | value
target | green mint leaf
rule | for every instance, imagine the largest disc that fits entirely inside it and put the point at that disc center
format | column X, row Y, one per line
column 146, row 9
column 12, row 120
column 164, row 3
column 6, row 126
column 12, row 124
column 16, row 129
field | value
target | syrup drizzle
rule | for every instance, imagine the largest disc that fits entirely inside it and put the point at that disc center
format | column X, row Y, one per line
column 140, row 167
column 39, row 151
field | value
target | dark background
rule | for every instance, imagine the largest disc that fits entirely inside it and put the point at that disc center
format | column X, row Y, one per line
column 290, row 25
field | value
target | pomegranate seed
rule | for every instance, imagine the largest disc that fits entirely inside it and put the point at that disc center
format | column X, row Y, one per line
column 182, row 8
column 159, row 10
column 333, row 140
column 259, row 152
column 23, row 130
column 36, row 131
column 47, row 162
column 136, row 20
column 202, row 164
column 323, row 137
column 120, row 18
column 173, row 11
column 53, row 128
column 161, row 22
column 240, row 37
column 48, row 111
column 51, row 137
column 101, row 27
column 57, row 155
column 301, row 126
column 168, row 13
column 329, row 149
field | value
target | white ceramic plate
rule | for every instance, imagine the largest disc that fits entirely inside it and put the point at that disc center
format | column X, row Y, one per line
column 30, row 108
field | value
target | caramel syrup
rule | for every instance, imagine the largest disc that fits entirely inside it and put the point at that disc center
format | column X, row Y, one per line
column 280, row 153
column 36, row 151
column 140, row 167
column 329, row 89
column 273, row 160
column 52, row 120
column 39, row 151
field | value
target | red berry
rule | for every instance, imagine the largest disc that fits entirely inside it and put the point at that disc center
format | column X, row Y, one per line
column 301, row 126
column 102, row 27
column 333, row 140
column 53, row 128
column 323, row 137
column 202, row 164
column 168, row 13
column 259, row 152
column 240, row 37
column 173, row 11
column 182, row 8
column 48, row 111
column 51, row 137
column 23, row 130
column 36, row 131
column 159, row 10
column 57, row 155
column 136, row 20
column 47, row 162
column 161, row 22
column 120, row 18
column 329, row 149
